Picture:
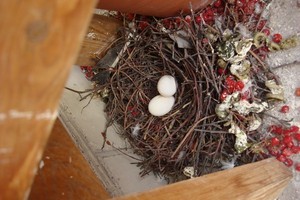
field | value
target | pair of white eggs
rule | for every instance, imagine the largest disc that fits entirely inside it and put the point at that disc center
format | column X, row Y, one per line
column 163, row 103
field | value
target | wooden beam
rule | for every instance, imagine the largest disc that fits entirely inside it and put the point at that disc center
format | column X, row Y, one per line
column 101, row 34
column 39, row 41
column 64, row 173
column 263, row 180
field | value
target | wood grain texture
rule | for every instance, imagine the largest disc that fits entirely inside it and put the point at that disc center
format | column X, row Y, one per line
column 101, row 34
column 64, row 173
column 263, row 180
column 39, row 40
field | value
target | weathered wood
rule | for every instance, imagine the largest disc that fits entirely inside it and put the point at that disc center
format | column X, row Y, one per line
column 39, row 40
column 101, row 34
column 263, row 180
column 64, row 173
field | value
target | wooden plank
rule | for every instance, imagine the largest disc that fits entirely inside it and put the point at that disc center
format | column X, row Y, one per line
column 101, row 34
column 263, row 180
column 64, row 173
column 39, row 40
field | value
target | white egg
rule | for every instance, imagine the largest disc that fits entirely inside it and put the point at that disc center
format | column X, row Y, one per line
column 160, row 105
column 167, row 86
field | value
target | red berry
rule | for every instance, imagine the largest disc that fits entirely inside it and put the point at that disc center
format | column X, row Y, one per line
column 273, row 152
column 188, row 19
column 245, row 95
column 218, row 3
column 83, row 68
column 290, row 144
column 272, row 128
column 279, row 130
column 239, row 85
column 134, row 113
column 178, row 21
column 281, row 158
column 287, row 152
column 130, row 16
column 286, row 131
column 285, row 109
column 220, row 9
column 274, row 141
column 277, row 38
column 240, row 3
column 266, row 31
column 198, row 19
column 208, row 15
column 249, row 8
column 205, row 40
column 297, row 167
column 297, row 136
column 230, row 84
column 261, row 24
column 207, row 18
column 210, row 12
column 263, row 56
column 264, row 49
column 167, row 23
column 275, row 129
column 282, row 147
column 295, row 149
column 221, row 71
column 287, row 139
column 294, row 129
column 89, row 75
column 142, row 25
column 289, row 162
column 224, row 94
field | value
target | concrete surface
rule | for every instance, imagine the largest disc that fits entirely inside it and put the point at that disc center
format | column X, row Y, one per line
column 285, row 19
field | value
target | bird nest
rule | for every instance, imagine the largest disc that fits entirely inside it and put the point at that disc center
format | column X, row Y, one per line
column 224, row 87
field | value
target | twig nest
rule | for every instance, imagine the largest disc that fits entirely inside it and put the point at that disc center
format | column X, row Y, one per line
column 167, row 86
column 160, row 105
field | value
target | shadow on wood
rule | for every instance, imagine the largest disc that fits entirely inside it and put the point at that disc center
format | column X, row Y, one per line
column 101, row 34
column 64, row 173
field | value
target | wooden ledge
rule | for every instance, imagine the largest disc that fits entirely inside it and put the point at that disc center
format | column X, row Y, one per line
column 263, row 180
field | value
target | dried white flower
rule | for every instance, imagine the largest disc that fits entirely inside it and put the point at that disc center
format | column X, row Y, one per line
column 241, row 70
column 189, row 172
column 241, row 47
column 276, row 90
column 255, row 123
column 241, row 143
column 244, row 107
column 223, row 108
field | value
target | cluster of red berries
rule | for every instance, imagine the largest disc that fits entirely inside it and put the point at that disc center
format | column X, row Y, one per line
column 243, row 8
column 88, row 71
column 247, row 6
column 133, row 111
column 284, row 143
column 231, row 85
